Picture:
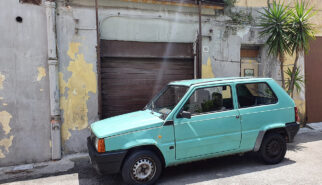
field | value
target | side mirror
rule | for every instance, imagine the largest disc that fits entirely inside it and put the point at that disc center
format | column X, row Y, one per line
column 185, row 114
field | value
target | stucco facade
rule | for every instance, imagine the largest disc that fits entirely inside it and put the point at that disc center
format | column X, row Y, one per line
column 25, row 116
column 24, row 85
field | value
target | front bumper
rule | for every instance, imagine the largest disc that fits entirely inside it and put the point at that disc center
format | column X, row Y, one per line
column 292, row 129
column 105, row 163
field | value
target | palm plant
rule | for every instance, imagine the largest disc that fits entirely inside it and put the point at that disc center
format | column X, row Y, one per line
column 298, row 79
column 301, row 32
column 274, row 22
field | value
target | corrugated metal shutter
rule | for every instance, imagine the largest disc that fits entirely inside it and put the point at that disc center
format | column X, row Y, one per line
column 132, row 72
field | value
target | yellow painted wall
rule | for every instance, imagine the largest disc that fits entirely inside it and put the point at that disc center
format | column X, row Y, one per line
column 207, row 70
column 251, row 3
column 77, row 87
column 247, row 63
column 5, row 118
column 316, row 4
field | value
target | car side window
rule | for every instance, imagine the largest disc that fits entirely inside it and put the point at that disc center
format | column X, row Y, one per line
column 255, row 94
column 209, row 99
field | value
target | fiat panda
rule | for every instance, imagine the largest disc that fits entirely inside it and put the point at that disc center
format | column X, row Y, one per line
column 194, row 120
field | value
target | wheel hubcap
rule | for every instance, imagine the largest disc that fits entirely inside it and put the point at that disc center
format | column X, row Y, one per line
column 143, row 170
column 273, row 148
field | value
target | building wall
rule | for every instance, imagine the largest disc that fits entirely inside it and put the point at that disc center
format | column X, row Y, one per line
column 76, row 43
column 145, row 22
column 24, row 85
column 225, row 32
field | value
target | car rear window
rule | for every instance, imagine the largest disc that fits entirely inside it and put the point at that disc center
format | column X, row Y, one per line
column 255, row 94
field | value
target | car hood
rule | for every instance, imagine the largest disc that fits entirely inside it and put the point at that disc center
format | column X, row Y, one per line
column 125, row 123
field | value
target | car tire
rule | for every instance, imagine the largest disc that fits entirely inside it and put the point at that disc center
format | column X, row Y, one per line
column 273, row 148
column 141, row 167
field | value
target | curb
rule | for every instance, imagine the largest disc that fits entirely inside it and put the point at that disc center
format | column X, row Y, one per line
column 36, row 170
column 312, row 127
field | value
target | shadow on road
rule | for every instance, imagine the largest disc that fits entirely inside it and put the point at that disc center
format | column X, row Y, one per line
column 217, row 168
column 188, row 173
column 302, row 138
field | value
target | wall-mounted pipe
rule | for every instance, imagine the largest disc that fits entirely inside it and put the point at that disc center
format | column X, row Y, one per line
column 200, row 42
column 55, row 123
column 98, row 53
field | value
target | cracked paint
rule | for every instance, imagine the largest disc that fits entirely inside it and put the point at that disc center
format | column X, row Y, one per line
column 41, row 73
column 6, row 143
column 81, row 82
column 5, row 118
column 2, row 78
column 207, row 71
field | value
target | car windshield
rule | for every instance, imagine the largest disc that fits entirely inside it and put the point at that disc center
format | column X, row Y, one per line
column 167, row 99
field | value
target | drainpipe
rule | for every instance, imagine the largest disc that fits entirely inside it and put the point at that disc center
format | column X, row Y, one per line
column 98, row 66
column 55, row 122
column 199, row 42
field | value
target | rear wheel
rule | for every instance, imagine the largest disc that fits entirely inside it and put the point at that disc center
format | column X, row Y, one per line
column 273, row 148
column 142, row 167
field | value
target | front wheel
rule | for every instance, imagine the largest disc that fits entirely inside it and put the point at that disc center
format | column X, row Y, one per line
column 142, row 167
column 273, row 148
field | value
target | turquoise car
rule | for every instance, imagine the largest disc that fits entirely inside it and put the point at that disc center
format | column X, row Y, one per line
column 193, row 120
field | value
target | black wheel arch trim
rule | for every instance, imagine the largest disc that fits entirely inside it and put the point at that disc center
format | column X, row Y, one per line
column 291, row 130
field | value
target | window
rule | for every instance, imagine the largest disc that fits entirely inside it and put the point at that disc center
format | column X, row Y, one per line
column 209, row 100
column 255, row 94
column 168, row 99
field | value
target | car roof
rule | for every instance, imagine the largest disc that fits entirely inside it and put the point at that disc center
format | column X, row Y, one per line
column 216, row 80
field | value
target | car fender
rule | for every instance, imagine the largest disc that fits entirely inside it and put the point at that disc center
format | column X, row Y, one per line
column 262, row 132
column 146, row 144
column 140, row 142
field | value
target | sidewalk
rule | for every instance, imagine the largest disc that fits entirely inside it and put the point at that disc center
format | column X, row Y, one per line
column 37, row 170
column 69, row 163
column 312, row 127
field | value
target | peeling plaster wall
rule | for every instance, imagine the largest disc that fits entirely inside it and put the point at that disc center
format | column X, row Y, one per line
column 76, row 42
column 222, row 38
column 24, row 107
column 76, row 37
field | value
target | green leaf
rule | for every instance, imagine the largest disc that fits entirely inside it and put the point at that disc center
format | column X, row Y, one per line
column 275, row 26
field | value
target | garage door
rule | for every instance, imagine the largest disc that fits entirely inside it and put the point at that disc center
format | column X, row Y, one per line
column 133, row 72
column 313, row 84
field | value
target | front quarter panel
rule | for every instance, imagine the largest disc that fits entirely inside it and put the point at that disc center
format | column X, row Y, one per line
column 161, row 137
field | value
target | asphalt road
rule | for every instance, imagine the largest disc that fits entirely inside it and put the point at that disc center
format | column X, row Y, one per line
column 302, row 165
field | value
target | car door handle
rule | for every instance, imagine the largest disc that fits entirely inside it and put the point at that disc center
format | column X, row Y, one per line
column 237, row 116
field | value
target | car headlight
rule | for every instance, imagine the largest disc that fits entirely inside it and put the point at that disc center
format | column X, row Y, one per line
column 99, row 145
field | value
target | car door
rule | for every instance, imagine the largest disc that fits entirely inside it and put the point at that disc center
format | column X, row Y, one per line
column 258, row 106
column 214, row 125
